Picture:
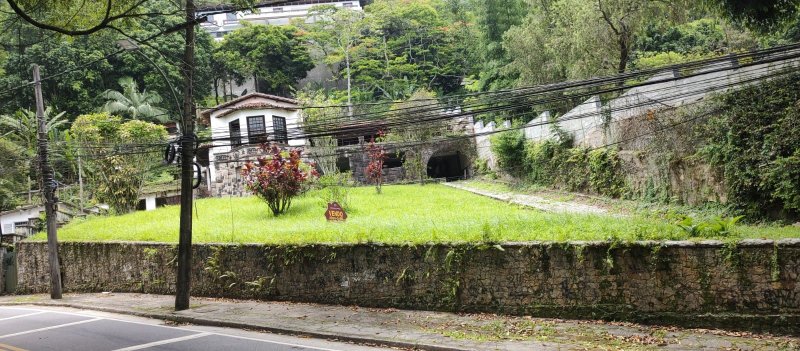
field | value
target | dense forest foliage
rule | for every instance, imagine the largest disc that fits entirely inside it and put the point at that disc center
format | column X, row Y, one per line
column 389, row 51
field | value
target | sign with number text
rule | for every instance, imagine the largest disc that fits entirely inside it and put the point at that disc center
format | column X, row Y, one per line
column 335, row 212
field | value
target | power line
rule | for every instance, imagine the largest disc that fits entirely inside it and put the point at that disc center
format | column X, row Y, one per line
column 529, row 92
column 89, row 63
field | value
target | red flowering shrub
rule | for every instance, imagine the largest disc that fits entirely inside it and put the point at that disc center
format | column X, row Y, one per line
column 278, row 178
column 374, row 169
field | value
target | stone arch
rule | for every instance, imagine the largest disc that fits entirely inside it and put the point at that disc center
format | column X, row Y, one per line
column 450, row 161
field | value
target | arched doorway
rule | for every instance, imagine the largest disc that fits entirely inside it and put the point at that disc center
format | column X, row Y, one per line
column 448, row 165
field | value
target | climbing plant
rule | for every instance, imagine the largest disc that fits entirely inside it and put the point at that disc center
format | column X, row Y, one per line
column 755, row 141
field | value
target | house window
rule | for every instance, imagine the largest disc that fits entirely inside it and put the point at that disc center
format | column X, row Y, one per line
column 8, row 228
column 347, row 4
column 256, row 130
column 231, row 17
column 21, row 228
column 343, row 164
column 394, row 160
column 236, row 133
column 279, row 128
column 277, row 9
column 346, row 141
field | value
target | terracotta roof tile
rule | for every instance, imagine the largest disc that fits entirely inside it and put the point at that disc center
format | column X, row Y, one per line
column 208, row 112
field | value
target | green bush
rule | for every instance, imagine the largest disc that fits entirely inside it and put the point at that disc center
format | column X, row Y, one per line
column 481, row 166
column 709, row 228
column 509, row 151
column 335, row 188
column 551, row 163
column 755, row 140
column 540, row 160
column 604, row 172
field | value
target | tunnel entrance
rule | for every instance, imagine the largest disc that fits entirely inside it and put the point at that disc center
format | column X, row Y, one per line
column 449, row 166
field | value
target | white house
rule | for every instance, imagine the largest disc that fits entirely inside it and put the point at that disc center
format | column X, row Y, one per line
column 240, row 125
column 20, row 222
column 219, row 24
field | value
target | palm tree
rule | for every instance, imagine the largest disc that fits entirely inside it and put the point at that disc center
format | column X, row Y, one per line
column 22, row 128
column 132, row 103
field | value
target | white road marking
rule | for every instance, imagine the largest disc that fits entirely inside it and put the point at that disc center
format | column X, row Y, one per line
column 163, row 342
column 196, row 331
column 49, row 328
column 22, row 315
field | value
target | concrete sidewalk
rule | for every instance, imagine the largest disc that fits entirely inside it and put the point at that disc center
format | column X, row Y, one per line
column 536, row 202
column 414, row 329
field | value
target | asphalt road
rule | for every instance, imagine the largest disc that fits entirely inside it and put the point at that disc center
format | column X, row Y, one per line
column 46, row 328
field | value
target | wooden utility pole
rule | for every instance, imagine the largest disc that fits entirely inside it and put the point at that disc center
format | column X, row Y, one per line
column 48, row 191
column 187, row 169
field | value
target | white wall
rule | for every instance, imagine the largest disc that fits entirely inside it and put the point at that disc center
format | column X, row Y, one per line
column 539, row 127
column 220, row 24
column 220, row 129
column 150, row 202
column 582, row 119
column 8, row 219
column 585, row 121
column 483, row 142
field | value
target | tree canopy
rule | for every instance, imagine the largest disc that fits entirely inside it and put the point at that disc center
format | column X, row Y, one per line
column 273, row 55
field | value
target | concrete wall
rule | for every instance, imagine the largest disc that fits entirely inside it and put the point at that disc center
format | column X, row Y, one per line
column 483, row 142
column 664, row 91
column 753, row 284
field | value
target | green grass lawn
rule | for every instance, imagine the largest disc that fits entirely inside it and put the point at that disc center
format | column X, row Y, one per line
column 402, row 214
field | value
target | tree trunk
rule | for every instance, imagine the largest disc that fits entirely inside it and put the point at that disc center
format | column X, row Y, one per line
column 216, row 90
column 624, row 53
column 349, row 95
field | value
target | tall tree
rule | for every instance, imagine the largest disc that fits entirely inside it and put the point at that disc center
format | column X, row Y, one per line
column 22, row 129
column 273, row 55
column 572, row 39
column 407, row 46
column 494, row 19
column 13, row 161
column 117, row 177
column 87, row 68
column 334, row 34
column 132, row 103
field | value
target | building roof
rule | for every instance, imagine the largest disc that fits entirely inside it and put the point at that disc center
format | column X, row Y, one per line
column 22, row 208
column 252, row 107
column 230, row 105
column 267, row 3
column 62, row 207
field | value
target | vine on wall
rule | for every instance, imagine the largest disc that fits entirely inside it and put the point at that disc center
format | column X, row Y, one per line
column 755, row 140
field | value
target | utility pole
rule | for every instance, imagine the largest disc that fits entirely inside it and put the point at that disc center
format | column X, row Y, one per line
column 187, row 169
column 47, row 190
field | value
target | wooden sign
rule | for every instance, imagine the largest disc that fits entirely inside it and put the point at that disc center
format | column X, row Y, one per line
column 335, row 212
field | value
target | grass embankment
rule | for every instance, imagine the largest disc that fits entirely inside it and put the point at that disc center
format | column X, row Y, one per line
column 670, row 213
column 402, row 214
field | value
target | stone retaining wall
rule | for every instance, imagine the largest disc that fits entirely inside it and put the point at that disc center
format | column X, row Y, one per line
column 753, row 284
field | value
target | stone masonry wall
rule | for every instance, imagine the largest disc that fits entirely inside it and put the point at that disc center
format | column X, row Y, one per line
column 753, row 284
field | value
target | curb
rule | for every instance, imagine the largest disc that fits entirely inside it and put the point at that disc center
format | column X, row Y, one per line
column 237, row 325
